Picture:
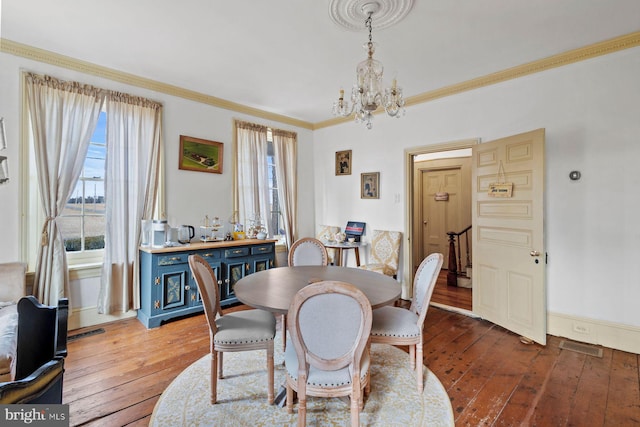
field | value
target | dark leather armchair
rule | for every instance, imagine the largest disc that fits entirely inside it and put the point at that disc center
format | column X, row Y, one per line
column 42, row 346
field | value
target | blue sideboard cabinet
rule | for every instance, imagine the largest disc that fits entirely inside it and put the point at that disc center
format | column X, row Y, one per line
column 168, row 290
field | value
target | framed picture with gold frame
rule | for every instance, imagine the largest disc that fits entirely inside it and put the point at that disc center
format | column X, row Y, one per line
column 200, row 155
column 369, row 185
column 343, row 162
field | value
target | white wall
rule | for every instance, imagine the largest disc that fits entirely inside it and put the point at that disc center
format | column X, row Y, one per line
column 591, row 113
column 190, row 195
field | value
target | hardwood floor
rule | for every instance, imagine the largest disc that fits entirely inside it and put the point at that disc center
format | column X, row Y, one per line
column 115, row 378
column 451, row 295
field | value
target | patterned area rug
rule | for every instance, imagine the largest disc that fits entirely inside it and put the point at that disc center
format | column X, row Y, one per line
column 242, row 396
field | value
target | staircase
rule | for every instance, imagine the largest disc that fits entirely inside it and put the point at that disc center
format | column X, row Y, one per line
column 458, row 275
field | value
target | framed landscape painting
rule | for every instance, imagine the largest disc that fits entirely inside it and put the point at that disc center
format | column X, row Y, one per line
column 200, row 155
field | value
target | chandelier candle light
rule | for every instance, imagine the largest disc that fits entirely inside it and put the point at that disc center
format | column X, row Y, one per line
column 368, row 93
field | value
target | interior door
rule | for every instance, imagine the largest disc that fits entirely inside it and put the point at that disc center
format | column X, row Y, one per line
column 440, row 217
column 508, row 235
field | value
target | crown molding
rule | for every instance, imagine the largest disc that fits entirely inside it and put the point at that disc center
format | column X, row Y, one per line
column 48, row 57
column 576, row 55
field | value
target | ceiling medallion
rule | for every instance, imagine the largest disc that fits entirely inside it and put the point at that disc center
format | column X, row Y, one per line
column 351, row 14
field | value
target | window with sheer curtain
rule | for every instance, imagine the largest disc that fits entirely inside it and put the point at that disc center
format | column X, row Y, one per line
column 265, row 178
column 62, row 158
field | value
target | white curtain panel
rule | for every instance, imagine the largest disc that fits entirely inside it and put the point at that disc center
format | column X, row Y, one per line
column 63, row 116
column 285, row 153
column 252, row 172
column 134, row 140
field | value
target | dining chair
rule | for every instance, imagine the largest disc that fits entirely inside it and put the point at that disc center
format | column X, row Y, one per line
column 329, row 327
column 325, row 231
column 308, row 251
column 384, row 253
column 304, row 251
column 238, row 331
column 401, row 326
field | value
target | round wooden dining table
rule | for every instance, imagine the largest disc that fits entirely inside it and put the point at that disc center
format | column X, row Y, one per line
column 274, row 289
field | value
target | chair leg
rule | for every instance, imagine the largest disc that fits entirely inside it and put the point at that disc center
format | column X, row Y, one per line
column 270, row 393
column 284, row 332
column 289, row 399
column 412, row 356
column 214, row 377
column 302, row 409
column 356, row 401
column 220, row 365
column 419, row 363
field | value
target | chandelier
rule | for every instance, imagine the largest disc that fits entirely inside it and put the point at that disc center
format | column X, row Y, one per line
column 368, row 92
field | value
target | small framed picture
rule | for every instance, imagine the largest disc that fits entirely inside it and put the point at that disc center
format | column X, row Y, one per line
column 370, row 184
column 200, row 155
column 343, row 162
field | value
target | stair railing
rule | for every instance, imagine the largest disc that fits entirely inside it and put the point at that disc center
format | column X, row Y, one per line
column 454, row 265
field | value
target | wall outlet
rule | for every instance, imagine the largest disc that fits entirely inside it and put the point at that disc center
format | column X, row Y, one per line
column 581, row 328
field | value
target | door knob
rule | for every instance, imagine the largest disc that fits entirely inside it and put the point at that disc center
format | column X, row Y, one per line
column 534, row 253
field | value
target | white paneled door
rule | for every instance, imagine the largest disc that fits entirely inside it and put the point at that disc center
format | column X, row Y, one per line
column 508, row 234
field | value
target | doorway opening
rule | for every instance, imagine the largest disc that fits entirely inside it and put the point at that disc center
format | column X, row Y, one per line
column 439, row 202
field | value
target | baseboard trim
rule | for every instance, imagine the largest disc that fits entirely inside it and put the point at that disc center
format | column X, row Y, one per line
column 89, row 316
column 613, row 335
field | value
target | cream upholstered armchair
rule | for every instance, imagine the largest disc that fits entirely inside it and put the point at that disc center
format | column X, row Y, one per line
column 328, row 230
column 329, row 326
column 385, row 252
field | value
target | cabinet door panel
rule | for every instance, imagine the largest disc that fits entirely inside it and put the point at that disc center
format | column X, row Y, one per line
column 235, row 271
column 261, row 263
column 173, row 290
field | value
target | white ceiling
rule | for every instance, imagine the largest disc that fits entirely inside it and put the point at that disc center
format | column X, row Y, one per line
column 288, row 57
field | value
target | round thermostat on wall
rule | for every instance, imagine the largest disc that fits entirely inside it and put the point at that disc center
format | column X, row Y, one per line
column 574, row 175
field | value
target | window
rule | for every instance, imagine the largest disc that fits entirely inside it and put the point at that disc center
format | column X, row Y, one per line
column 274, row 222
column 82, row 222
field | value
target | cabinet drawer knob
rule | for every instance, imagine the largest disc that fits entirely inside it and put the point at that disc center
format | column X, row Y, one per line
column 237, row 251
column 174, row 258
column 207, row 255
column 186, row 288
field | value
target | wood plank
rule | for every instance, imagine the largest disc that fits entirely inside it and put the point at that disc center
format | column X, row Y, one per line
column 524, row 398
column 493, row 379
column 623, row 403
column 555, row 404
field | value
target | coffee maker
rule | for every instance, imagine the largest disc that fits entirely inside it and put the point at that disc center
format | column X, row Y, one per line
column 160, row 234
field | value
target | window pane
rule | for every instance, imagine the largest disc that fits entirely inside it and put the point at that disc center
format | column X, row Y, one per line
column 84, row 227
column 94, row 231
column 70, row 227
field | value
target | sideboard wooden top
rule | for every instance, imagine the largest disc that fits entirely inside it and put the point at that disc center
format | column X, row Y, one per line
column 194, row 246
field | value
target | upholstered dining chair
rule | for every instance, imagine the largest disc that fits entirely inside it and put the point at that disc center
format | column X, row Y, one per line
column 384, row 253
column 399, row 326
column 308, row 251
column 238, row 331
column 329, row 325
column 323, row 232
column 304, row 251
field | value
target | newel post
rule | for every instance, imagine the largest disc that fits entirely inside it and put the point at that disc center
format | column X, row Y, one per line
column 452, row 274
